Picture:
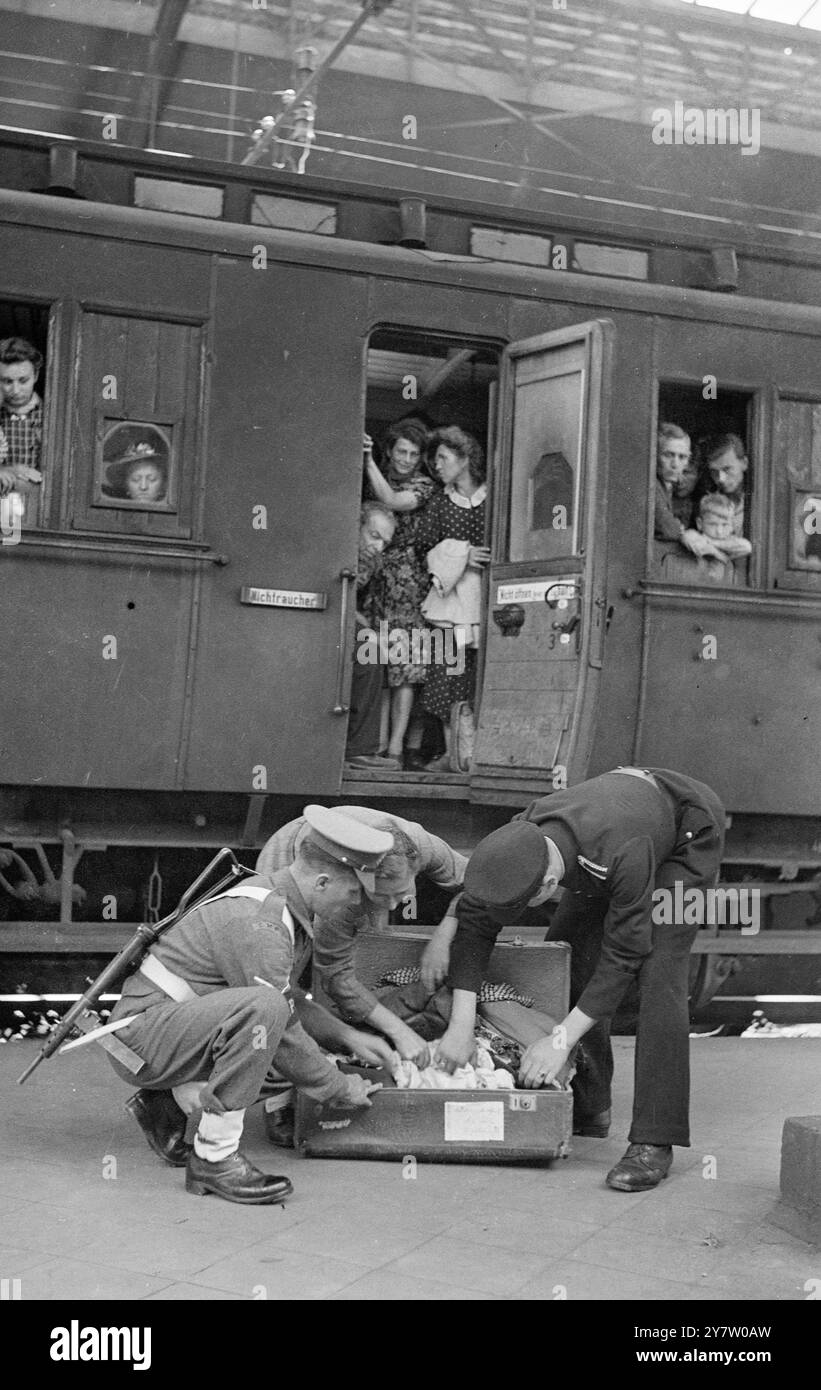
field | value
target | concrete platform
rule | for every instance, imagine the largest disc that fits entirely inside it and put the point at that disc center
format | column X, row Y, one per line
column 88, row 1212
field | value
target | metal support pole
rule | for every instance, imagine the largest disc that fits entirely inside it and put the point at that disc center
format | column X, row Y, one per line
column 369, row 8
column 70, row 858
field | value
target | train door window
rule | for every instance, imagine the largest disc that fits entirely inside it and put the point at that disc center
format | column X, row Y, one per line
column 796, row 512
column 545, row 478
column 24, row 357
column 702, row 483
column 134, row 446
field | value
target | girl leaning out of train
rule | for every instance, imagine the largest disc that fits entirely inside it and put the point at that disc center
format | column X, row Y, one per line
column 404, row 487
column 450, row 540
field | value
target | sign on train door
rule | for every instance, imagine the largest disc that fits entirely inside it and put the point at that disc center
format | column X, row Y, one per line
column 546, row 603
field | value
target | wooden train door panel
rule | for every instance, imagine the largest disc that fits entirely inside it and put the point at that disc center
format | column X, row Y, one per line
column 545, row 602
column 270, row 644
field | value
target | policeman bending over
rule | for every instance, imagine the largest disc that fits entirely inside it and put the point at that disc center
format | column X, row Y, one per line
column 610, row 842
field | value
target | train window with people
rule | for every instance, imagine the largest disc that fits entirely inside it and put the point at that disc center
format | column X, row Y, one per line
column 429, row 416
column 134, row 446
column 796, row 558
column 23, row 354
column 702, row 482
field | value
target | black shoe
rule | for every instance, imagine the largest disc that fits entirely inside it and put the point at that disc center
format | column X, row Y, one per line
column 279, row 1126
column 414, row 761
column 163, row 1124
column 592, row 1126
column 642, row 1167
column 235, row 1179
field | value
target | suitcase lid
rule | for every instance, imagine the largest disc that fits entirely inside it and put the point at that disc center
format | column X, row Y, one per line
column 540, row 969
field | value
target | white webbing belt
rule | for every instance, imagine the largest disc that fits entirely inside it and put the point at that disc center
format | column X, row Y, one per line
column 639, row 772
column 175, row 986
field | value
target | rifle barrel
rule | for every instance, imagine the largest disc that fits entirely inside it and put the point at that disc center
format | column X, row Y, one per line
column 133, row 951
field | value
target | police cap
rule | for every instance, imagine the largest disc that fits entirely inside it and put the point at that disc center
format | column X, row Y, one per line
column 506, row 869
column 356, row 845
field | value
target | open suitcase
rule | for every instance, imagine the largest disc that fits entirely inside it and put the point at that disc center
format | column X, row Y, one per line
column 452, row 1126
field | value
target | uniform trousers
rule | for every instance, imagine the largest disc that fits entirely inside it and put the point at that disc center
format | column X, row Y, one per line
column 226, row 1038
column 661, row 1096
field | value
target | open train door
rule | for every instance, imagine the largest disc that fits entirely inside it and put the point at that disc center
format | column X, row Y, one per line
column 547, row 604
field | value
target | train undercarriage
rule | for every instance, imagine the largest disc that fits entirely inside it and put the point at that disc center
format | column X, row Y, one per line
column 82, row 869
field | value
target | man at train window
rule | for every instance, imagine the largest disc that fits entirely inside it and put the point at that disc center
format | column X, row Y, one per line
column 210, row 1015
column 376, row 527
column 415, row 851
column 725, row 460
column 21, row 418
column 618, row 844
column 672, row 459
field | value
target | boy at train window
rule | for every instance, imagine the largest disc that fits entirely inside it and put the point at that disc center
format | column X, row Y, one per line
column 21, row 411
column 716, row 518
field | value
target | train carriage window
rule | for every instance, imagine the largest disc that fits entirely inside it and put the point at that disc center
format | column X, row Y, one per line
column 135, row 446
column 135, row 466
column 702, row 483
column 24, row 351
column 796, row 534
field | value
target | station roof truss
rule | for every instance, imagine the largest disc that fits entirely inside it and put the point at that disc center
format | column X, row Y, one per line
column 509, row 89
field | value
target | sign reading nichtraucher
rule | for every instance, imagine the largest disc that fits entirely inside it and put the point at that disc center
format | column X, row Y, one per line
column 282, row 598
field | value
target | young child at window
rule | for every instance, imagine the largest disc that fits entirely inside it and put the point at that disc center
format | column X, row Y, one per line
column 21, row 421
column 716, row 519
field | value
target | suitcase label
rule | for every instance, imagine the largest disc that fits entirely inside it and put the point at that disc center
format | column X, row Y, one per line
column 482, row 1120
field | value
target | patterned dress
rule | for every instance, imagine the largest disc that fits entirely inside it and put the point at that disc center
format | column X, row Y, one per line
column 403, row 580
column 450, row 515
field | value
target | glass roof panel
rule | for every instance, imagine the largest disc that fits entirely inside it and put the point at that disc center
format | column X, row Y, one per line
column 812, row 20
column 781, row 11
column 806, row 13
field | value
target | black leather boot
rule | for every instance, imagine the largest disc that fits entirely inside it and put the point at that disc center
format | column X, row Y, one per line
column 163, row 1124
column 279, row 1126
column 236, row 1179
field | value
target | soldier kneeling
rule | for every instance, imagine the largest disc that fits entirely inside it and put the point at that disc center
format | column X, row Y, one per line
column 211, row 1017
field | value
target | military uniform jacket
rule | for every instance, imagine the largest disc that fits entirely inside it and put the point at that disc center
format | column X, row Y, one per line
column 630, row 839
column 225, row 944
column 334, row 940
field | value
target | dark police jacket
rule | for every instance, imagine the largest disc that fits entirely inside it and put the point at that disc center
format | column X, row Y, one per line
column 630, row 839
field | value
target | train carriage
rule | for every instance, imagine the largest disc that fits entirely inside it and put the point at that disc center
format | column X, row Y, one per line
column 179, row 674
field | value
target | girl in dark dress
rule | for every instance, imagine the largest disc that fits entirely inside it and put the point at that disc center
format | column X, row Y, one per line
column 459, row 513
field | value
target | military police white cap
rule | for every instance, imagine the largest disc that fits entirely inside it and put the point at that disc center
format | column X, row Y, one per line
column 358, row 846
